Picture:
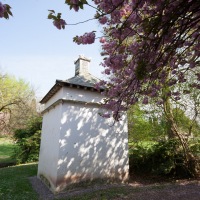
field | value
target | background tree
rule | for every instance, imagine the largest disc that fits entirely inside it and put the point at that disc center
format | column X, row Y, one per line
column 144, row 125
column 152, row 150
column 16, row 103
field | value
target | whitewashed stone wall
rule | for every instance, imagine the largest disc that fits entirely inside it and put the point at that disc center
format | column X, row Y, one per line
column 78, row 144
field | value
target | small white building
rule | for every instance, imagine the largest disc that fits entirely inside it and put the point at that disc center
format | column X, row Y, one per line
column 77, row 144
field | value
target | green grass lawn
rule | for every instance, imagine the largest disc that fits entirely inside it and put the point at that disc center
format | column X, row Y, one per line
column 15, row 185
column 14, row 182
column 6, row 150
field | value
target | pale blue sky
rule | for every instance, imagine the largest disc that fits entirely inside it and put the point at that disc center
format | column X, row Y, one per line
column 33, row 49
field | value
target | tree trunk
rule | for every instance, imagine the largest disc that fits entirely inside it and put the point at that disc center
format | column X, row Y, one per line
column 173, row 132
column 172, row 128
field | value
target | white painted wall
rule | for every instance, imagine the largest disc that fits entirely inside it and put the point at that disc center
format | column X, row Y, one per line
column 49, row 148
column 90, row 148
column 82, row 95
column 78, row 144
column 75, row 94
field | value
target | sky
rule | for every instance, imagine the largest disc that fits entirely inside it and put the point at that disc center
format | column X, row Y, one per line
column 31, row 48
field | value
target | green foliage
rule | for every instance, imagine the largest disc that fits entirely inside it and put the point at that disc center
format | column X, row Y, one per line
column 195, row 147
column 152, row 152
column 147, row 126
column 184, row 122
column 12, row 88
column 28, row 141
column 15, row 184
column 142, row 127
column 163, row 158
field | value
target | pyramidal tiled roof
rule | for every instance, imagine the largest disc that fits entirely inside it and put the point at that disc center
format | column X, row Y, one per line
column 82, row 79
column 86, row 80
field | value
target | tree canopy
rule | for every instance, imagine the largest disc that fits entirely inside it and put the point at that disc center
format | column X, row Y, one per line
column 16, row 103
column 147, row 46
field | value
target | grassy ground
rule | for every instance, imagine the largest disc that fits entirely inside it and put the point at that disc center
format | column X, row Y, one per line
column 6, row 150
column 14, row 184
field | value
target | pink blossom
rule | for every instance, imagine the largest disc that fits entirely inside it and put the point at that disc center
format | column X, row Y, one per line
column 154, row 93
column 74, row 4
column 102, row 40
column 75, row 7
column 107, row 71
column 59, row 24
column 192, row 64
column 87, row 38
column 117, row 2
column 2, row 9
column 103, row 20
column 145, row 100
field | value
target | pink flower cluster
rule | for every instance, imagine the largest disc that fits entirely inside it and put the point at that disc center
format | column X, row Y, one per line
column 87, row 38
column 144, row 52
column 75, row 4
column 2, row 9
column 59, row 24
column 103, row 20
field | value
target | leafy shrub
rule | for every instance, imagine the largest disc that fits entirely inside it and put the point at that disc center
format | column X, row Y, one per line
column 195, row 146
column 163, row 158
column 28, row 141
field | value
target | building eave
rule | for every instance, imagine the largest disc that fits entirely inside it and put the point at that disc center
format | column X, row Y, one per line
column 59, row 84
column 72, row 102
